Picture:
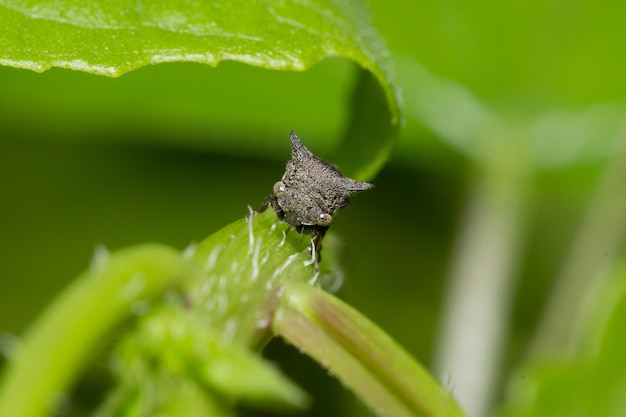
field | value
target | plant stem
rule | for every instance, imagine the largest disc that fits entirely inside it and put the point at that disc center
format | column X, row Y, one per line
column 367, row 360
column 481, row 282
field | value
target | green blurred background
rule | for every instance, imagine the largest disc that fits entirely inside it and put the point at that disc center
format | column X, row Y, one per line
column 173, row 152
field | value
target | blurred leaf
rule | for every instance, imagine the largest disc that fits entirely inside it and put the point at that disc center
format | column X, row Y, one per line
column 232, row 108
column 586, row 136
column 553, row 140
column 57, row 346
column 111, row 38
column 482, row 72
column 361, row 355
column 528, row 57
column 593, row 382
column 446, row 108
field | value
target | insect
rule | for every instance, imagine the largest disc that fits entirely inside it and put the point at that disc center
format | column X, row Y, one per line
column 309, row 195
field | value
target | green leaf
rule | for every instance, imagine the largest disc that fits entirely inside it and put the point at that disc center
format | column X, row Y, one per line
column 112, row 38
column 371, row 141
column 360, row 354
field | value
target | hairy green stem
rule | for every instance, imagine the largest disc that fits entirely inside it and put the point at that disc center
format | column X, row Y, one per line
column 193, row 349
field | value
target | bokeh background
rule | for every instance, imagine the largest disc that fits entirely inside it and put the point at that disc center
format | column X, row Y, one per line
column 514, row 111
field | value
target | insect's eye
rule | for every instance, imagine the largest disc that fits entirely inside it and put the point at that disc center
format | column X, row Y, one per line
column 325, row 219
column 279, row 188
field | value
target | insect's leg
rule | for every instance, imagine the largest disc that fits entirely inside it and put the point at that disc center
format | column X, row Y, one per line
column 268, row 201
column 316, row 246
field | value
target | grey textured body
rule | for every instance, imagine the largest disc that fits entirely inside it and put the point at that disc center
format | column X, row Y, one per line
column 310, row 193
